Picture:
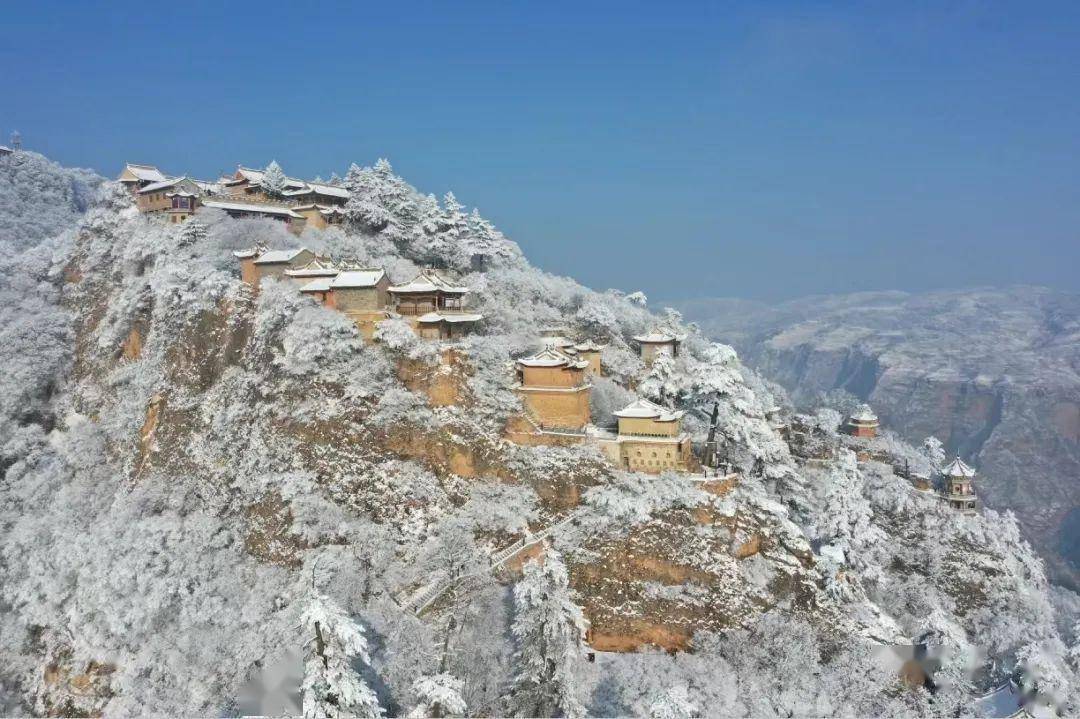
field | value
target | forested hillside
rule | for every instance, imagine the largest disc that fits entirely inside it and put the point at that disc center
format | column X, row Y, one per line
column 204, row 484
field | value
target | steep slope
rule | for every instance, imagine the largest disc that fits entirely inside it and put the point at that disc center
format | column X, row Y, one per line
column 992, row 373
column 200, row 455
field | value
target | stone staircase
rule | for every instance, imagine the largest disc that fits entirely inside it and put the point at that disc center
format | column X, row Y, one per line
column 427, row 596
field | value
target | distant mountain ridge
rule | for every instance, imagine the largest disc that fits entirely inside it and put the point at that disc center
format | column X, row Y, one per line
column 994, row 373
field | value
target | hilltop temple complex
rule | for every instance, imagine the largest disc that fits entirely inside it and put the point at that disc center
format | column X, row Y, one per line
column 297, row 203
column 554, row 384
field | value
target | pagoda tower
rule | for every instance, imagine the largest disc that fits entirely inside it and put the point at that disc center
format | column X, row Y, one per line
column 958, row 489
column 863, row 423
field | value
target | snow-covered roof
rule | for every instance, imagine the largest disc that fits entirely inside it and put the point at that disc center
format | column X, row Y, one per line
column 428, row 281
column 250, row 252
column 315, row 268
column 588, row 346
column 154, row 186
column 146, row 173
column 864, row 415
column 321, row 189
column 180, row 193
column 277, row 257
column 658, row 337
column 256, row 177
column 5, row 149
column 451, row 317
column 551, row 357
column 255, row 207
column 957, row 468
column 644, row 409
column 207, row 186
column 322, row 284
column 355, row 279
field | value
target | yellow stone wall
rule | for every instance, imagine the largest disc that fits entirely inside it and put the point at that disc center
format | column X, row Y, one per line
column 248, row 273
column 278, row 270
column 593, row 358
column 655, row 457
column 650, row 351
column 643, row 425
column 360, row 299
column 552, row 377
column 313, row 216
column 569, row 410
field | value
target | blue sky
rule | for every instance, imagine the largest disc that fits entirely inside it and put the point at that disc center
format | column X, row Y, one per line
column 764, row 150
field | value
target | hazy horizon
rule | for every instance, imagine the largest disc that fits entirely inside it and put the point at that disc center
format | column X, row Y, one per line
column 687, row 151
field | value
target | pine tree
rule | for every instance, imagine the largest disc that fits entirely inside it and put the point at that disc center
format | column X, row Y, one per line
column 192, row 232
column 331, row 687
column 438, row 695
column 934, row 451
column 549, row 629
column 274, row 181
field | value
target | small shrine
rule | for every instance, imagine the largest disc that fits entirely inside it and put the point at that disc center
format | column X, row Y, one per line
column 959, row 491
column 863, row 423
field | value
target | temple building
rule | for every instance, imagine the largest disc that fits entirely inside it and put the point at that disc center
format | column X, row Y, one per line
column 554, row 389
column 433, row 305
column 863, row 423
column 360, row 294
column 319, row 193
column 176, row 196
column 590, row 352
column 245, row 209
column 247, row 183
column 318, row 289
column 650, row 439
column 776, row 421
column 319, row 267
column 656, row 343
column 320, row 216
column 959, row 491
column 274, row 263
column 135, row 177
column 248, row 274
column 447, row 326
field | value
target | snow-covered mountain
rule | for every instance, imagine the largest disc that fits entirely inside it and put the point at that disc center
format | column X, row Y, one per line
column 202, row 483
column 995, row 374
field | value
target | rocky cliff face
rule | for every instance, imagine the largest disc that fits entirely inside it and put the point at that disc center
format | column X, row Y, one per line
column 995, row 374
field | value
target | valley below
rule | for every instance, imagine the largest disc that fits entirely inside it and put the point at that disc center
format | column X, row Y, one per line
column 993, row 373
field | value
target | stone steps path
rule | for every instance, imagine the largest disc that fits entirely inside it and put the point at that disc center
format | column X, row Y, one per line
column 426, row 597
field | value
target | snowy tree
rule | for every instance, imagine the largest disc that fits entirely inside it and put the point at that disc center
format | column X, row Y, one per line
column 274, row 180
column 331, row 686
column 934, row 451
column 192, row 232
column 438, row 695
column 549, row 629
column 638, row 298
column 673, row 704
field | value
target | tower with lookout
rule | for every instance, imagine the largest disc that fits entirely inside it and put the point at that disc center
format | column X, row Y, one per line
column 863, row 423
column 959, row 491
column 656, row 343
